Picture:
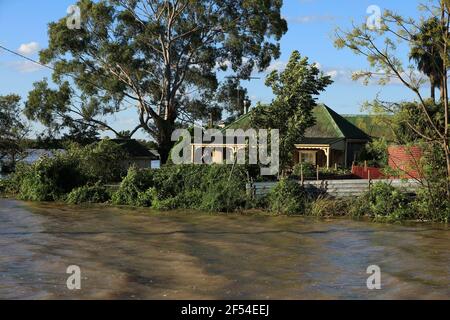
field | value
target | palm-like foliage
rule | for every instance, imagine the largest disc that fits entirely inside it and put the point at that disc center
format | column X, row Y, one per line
column 426, row 52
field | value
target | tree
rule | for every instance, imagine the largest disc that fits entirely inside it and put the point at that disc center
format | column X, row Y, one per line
column 379, row 47
column 158, row 56
column 233, row 97
column 295, row 91
column 13, row 131
column 426, row 50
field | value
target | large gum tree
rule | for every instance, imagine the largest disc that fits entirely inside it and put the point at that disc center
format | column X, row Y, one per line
column 161, row 57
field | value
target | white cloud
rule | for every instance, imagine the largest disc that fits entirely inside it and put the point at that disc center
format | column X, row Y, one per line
column 29, row 48
column 27, row 66
column 310, row 19
column 344, row 75
column 277, row 65
column 339, row 74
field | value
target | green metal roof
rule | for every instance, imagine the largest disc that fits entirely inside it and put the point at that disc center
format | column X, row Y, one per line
column 377, row 126
column 328, row 124
column 242, row 122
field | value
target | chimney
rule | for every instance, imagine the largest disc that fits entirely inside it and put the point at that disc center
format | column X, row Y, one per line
column 247, row 104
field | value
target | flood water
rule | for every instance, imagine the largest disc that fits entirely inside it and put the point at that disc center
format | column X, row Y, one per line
column 125, row 254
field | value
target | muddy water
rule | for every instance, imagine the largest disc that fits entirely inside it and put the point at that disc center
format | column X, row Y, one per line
column 142, row 255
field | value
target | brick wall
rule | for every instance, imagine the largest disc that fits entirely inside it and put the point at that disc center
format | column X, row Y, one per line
column 405, row 159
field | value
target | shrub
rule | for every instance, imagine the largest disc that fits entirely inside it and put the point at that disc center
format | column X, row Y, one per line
column 145, row 198
column 7, row 187
column 328, row 207
column 288, row 197
column 212, row 188
column 133, row 189
column 88, row 194
column 382, row 202
column 101, row 161
column 224, row 196
column 49, row 179
column 375, row 153
column 431, row 207
column 309, row 170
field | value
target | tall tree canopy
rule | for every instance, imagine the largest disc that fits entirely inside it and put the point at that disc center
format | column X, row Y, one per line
column 426, row 48
column 296, row 90
column 13, row 130
column 158, row 56
column 430, row 45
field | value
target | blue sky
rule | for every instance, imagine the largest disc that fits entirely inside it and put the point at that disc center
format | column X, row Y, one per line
column 311, row 28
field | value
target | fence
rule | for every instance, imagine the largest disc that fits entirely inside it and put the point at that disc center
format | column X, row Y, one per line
column 335, row 188
column 367, row 172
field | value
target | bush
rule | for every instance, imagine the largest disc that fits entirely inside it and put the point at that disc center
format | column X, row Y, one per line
column 211, row 188
column 134, row 188
column 375, row 153
column 309, row 170
column 7, row 187
column 429, row 206
column 382, row 202
column 432, row 202
column 88, row 194
column 224, row 196
column 101, row 161
column 328, row 207
column 49, row 179
column 288, row 197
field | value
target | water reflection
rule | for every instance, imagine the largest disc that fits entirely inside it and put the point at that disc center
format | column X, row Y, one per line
column 140, row 255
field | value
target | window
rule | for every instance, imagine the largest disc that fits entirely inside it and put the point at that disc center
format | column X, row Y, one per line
column 308, row 156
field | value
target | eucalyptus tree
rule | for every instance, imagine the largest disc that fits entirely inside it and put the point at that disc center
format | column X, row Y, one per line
column 160, row 57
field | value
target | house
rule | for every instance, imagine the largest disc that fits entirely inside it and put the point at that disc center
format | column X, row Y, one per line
column 138, row 155
column 333, row 140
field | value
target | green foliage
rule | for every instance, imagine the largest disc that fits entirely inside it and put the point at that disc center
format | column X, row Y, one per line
column 428, row 206
column 7, row 187
column 101, row 161
column 432, row 202
column 224, row 196
column 88, row 194
column 309, row 170
column 324, row 173
column 12, row 132
column 375, row 153
column 209, row 188
column 426, row 51
column 288, row 197
column 382, row 202
column 328, row 207
column 128, row 48
column 133, row 190
column 295, row 91
column 49, row 179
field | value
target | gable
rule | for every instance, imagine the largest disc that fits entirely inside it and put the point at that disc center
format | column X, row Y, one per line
column 328, row 125
column 377, row 126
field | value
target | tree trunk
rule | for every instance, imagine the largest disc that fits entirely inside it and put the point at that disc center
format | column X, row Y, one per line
column 433, row 89
column 165, row 143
